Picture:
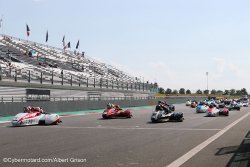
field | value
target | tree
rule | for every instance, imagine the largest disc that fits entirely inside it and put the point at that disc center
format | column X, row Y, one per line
column 219, row 92
column 175, row 92
column 161, row 90
column 188, row 92
column 232, row 92
column 244, row 91
column 238, row 92
column 206, row 92
column 213, row 92
column 168, row 91
column 198, row 91
column 182, row 91
column 226, row 92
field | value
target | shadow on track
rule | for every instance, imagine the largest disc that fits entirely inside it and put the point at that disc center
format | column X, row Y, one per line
column 113, row 118
column 241, row 157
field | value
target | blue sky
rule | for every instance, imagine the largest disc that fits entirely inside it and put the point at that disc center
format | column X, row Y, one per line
column 171, row 42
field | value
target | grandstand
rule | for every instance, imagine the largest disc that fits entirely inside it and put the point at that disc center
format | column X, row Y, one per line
column 30, row 62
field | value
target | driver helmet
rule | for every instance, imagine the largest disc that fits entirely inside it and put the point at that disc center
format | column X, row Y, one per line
column 109, row 106
column 41, row 109
column 27, row 109
column 211, row 106
column 160, row 102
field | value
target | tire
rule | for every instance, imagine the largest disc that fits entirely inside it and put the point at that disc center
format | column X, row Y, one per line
column 104, row 117
column 41, row 122
column 129, row 116
column 154, row 121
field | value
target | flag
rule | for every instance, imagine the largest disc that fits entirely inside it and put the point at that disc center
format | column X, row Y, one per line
column 77, row 45
column 47, row 36
column 67, row 46
column 1, row 20
column 63, row 41
column 28, row 30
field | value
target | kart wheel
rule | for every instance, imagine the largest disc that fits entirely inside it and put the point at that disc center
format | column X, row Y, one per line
column 181, row 120
column 154, row 121
column 41, row 122
column 104, row 117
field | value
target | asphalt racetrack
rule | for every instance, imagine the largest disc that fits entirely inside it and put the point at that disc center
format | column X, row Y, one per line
column 88, row 140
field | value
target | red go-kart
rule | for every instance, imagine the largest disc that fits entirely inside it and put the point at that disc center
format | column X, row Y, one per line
column 112, row 113
column 224, row 111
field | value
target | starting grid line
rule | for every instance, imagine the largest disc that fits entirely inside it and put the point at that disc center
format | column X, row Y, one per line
column 128, row 128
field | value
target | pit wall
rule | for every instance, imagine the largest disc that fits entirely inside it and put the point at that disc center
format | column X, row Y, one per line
column 12, row 108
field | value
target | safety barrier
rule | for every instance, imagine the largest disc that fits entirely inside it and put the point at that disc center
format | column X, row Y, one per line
column 12, row 108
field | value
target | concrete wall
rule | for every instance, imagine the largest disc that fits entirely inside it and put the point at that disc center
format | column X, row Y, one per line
column 9, row 108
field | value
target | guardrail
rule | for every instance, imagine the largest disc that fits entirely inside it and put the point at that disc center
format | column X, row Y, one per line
column 81, row 103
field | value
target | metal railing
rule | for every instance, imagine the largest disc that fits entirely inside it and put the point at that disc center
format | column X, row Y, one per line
column 89, row 98
column 54, row 78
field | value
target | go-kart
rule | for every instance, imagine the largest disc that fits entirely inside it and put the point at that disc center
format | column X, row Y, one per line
column 35, row 118
column 171, row 107
column 245, row 103
column 193, row 104
column 201, row 108
column 224, row 111
column 188, row 103
column 163, row 116
column 112, row 113
column 233, row 107
column 214, row 112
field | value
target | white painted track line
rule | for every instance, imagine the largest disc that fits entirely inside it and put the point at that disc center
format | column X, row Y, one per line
column 195, row 150
column 129, row 128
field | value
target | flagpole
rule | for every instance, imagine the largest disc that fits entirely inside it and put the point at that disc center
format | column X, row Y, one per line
column 27, row 37
column 47, row 39
column 2, row 24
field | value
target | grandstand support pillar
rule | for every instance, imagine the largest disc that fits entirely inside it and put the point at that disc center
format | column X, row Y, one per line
column 29, row 77
column 87, row 82
column 15, row 75
column 41, row 79
column 94, row 82
column 79, row 81
column 143, row 86
column 117, row 84
column 107, row 86
column 131, row 86
column 127, row 86
column 100, row 82
column 0, row 73
column 52, row 77
column 112, row 84
column 139, row 86
column 10, row 72
column 71, row 80
column 62, row 76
